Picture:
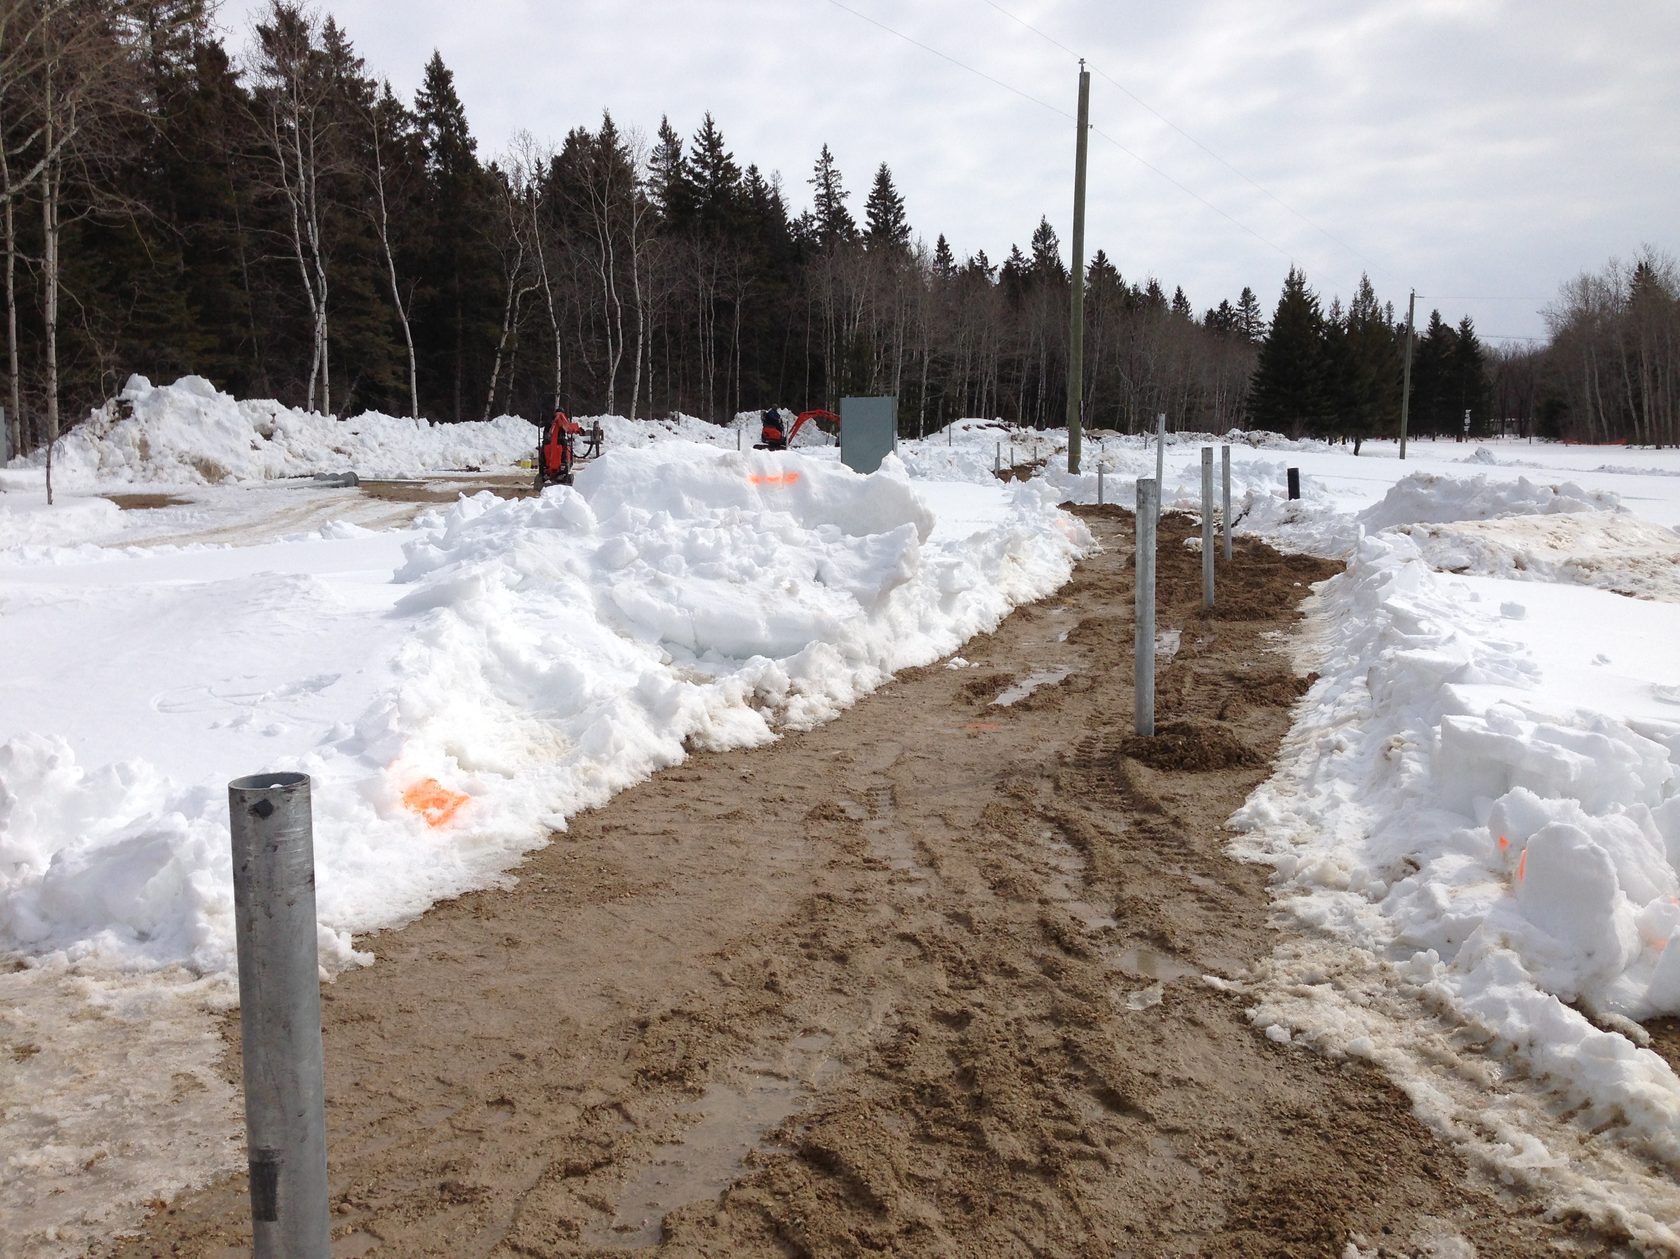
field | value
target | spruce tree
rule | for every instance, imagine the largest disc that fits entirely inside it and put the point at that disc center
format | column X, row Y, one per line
column 1181, row 304
column 668, row 186
column 1467, row 366
column 714, row 178
column 834, row 222
column 1250, row 322
column 944, row 263
column 1286, row 394
column 886, row 229
column 1432, row 391
column 456, row 320
column 1047, row 265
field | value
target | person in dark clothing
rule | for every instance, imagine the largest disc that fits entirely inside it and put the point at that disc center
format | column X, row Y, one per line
column 773, row 436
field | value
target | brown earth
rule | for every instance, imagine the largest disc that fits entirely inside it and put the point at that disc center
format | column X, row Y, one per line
column 448, row 489
column 928, row 980
column 146, row 502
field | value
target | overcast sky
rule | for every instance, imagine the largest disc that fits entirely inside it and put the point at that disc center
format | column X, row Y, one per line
column 1481, row 151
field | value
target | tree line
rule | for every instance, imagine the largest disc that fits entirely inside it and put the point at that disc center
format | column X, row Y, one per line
column 283, row 223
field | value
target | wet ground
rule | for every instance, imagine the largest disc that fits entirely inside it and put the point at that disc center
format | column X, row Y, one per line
column 946, row 976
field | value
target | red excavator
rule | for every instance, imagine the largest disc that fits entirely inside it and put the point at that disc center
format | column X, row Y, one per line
column 772, row 435
column 558, row 454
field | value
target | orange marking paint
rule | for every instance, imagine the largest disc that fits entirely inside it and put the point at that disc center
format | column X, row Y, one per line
column 1522, row 865
column 774, row 478
column 433, row 801
column 1503, row 843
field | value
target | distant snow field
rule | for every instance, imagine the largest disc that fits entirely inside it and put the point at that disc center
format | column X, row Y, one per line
column 1477, row 811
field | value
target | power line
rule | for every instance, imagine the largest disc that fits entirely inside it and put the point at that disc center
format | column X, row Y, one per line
column 1323, row 231
column 1282, row 252
column 1460, row 297
column 1008, row 87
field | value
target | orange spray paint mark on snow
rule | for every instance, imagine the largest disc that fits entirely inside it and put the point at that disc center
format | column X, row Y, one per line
column 433, row 801
column 774, row 478
column 1503, row 843
column 1522, row 865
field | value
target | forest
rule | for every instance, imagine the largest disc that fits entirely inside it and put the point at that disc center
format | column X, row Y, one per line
column 277, row 219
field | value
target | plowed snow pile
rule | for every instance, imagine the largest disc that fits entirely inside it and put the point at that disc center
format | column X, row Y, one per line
column 526, row 659
column 190, row 433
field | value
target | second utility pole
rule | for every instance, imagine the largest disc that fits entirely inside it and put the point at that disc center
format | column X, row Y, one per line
column 1406, row 387
column 1076, row 318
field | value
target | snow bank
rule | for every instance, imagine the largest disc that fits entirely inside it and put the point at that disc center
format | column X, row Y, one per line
column 1423, row 498
column 1465, row 793
column 190, row 433
column 527, row 659
column 26, row 522
column 1612, row 551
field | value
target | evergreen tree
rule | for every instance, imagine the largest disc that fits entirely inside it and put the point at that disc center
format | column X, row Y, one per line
column 1221, row 319
column 1467, row 368
column 713, row 177
column 1047, row 265
column 1432, row 390
column 668, row 186
column 1370, row 381
column 834, row 222
column 1287, row 391
column 456, row 316
column 1250, row 322
column 944, row 264
column 886, row 229
column 1181, row 304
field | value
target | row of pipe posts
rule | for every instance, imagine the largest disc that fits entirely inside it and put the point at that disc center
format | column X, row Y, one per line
column 1147, row 523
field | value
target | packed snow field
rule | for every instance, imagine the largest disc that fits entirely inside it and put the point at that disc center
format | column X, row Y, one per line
column 1480, row 796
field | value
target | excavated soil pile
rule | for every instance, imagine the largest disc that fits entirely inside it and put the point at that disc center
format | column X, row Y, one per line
column 932, row 979
column 1191, row 746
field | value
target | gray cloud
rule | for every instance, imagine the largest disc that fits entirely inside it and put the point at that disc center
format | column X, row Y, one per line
column 1484, row 149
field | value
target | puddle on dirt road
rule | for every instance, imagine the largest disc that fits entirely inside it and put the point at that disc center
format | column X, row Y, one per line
column 1027, row 685
column 733, row 1119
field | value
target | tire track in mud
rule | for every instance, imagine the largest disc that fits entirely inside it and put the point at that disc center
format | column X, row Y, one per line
column 926, row 980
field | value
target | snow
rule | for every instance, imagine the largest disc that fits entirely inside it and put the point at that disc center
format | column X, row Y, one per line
column 534, row 656
column 1475, row 820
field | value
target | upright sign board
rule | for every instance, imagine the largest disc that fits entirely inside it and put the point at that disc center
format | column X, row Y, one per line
column 868, row 431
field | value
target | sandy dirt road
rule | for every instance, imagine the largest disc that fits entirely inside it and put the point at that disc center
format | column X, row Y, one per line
column 928, row 980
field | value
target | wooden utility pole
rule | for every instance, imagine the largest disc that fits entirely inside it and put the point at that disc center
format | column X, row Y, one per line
column 1076, row 317
column 1406, row 384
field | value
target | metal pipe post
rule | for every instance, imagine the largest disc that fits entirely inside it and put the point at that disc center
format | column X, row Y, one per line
column 1143, row 641
column 1225, row 516
column 997, row 462
column 280, row 1015
column 1099, row 481
column 738, row 437
column 1207, row 528
column 1160, row 461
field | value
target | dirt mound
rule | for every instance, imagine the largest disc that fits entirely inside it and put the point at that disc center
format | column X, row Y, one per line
column 1195, row 746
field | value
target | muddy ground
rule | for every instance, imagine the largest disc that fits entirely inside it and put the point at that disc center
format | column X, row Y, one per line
column 929, row 980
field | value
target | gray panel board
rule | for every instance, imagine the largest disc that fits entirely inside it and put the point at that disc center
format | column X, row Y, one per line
column 868, row 431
